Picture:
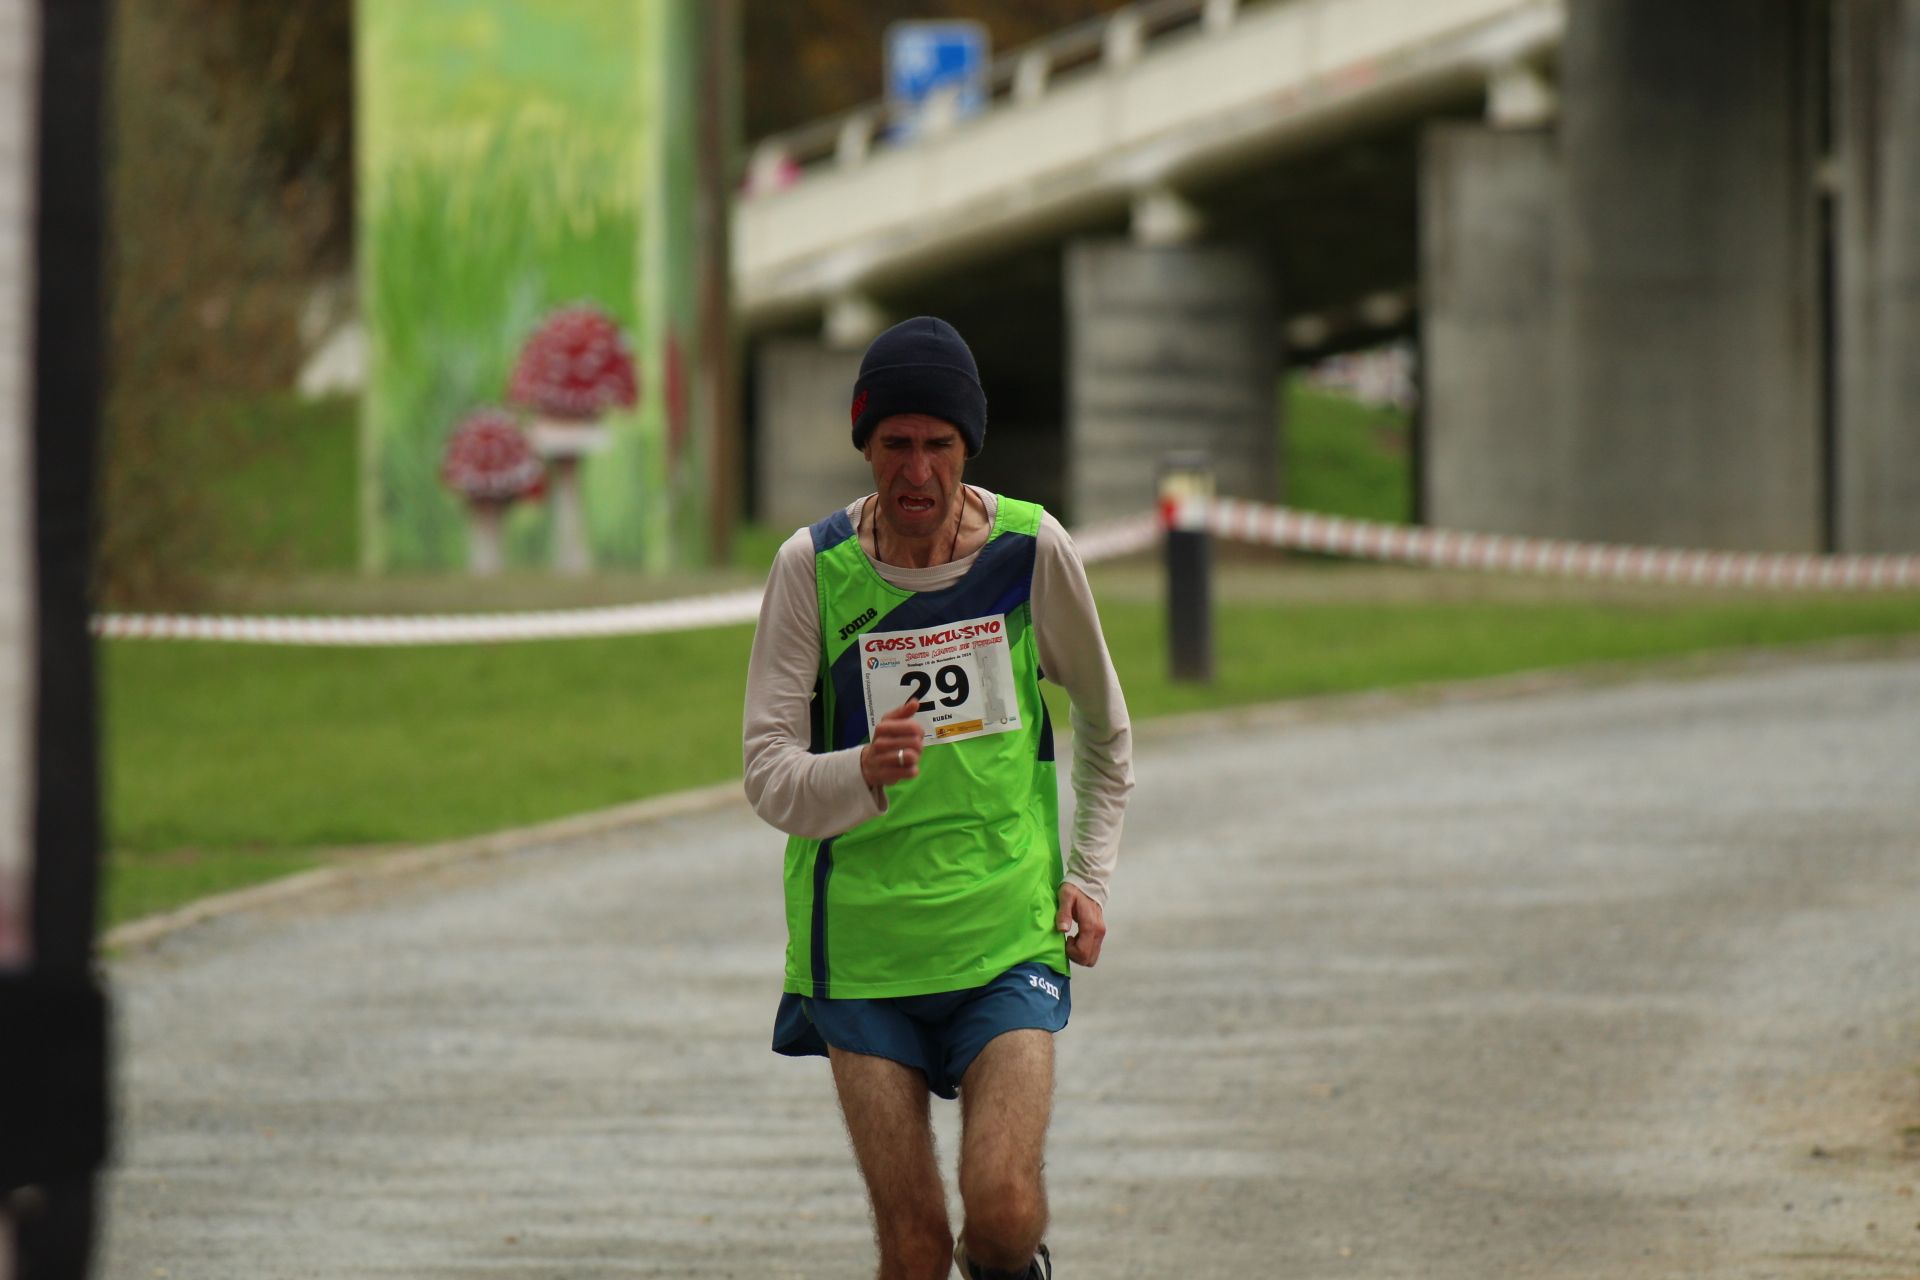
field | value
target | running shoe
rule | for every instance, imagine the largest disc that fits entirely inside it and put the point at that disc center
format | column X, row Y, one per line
column 1041, row 1268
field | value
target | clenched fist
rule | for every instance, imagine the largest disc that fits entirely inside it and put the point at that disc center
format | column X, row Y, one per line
column 894, row 753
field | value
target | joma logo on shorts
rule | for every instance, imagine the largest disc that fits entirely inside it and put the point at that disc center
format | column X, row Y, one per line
column 858, row 623
column 1035, row 980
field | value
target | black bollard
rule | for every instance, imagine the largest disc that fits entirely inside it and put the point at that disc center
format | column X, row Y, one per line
column 1186, row 484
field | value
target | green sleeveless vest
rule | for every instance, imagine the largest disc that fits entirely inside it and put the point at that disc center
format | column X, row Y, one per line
column 959, row 880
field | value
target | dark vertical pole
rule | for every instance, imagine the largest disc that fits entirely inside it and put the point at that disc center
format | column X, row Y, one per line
column 58, row 1136
column 68, row 368
column 1186, row 480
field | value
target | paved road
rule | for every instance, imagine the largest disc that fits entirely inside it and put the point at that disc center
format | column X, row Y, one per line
column 1606, row 982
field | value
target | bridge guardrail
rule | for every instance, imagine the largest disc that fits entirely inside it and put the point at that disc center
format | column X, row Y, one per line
column 1020, row 75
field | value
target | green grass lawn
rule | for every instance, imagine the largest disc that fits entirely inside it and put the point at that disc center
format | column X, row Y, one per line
column 228, row 764
column 221, row 750
column 1266, row 652
column 1343, row 457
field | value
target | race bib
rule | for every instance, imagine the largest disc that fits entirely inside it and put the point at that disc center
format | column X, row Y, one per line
column 961, row 674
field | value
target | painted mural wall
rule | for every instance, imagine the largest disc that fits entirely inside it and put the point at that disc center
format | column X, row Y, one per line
column 527, row 251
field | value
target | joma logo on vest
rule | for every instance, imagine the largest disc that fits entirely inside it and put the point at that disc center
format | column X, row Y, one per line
column 858, row 623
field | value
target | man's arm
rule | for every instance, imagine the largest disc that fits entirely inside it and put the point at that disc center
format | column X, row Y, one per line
column 789, row 786
column 1073, row 653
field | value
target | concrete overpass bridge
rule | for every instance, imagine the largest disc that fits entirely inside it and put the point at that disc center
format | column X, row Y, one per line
column 1654, row 256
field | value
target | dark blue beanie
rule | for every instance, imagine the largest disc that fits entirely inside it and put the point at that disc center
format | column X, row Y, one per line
column 920, row 365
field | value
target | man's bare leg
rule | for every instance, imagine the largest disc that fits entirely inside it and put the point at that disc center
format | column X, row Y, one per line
column 1006, row 1101
column 886, row 1109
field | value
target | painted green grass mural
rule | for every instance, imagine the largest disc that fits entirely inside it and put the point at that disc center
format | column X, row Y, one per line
column 515, row 161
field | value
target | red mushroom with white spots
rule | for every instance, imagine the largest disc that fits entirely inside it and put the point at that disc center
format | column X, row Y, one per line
column 576, row 366
column 490, row 462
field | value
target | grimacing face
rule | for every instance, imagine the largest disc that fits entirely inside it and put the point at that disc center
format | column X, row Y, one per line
column 917, row 461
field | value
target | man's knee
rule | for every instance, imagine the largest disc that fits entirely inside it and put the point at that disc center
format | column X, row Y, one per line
column 1006, row 1215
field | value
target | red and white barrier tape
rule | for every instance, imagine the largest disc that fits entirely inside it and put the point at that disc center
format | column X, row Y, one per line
column 1223, row 517
column 1446, row 549
column 1111, row 539
column 1097, row 542
column 720, row 610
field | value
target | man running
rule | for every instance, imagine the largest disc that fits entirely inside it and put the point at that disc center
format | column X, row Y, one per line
column 894, row 729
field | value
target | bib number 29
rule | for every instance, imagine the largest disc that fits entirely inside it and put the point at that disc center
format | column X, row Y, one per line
column 950, row 680
column 956, row 675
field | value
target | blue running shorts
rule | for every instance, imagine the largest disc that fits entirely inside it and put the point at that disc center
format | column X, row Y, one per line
column 938, row 1035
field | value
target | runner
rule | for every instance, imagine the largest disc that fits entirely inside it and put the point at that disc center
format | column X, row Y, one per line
column 894, row 729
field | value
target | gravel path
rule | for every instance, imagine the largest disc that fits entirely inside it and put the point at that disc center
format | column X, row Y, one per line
column 1608, row 982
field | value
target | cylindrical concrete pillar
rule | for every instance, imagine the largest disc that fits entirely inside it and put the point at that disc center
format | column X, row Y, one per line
column 805, row 462
column 1492, row 456
column 1877, row 228
column 1688, row 258
column 1172, row 347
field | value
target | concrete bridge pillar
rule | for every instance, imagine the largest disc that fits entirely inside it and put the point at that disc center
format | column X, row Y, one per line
column 805, row 463
column 1877, row 230
column 1493, row 447
column 1169, row 346
column 1688, row 270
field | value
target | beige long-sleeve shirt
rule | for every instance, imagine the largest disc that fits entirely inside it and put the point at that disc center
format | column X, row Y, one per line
column 817, row 796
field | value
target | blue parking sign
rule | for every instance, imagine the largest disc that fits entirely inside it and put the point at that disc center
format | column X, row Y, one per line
column 924, row 58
